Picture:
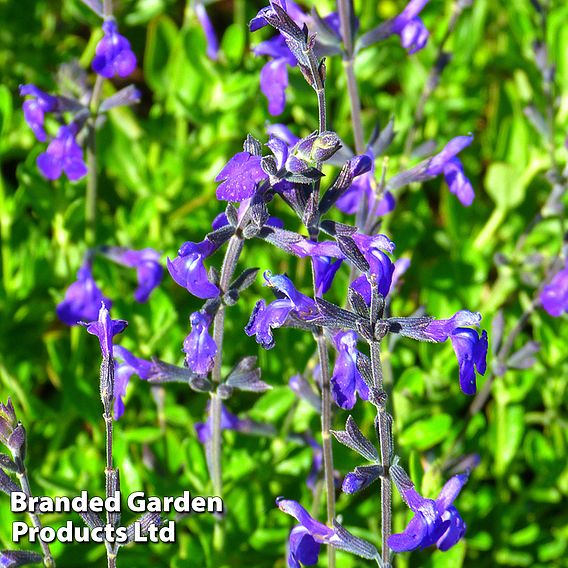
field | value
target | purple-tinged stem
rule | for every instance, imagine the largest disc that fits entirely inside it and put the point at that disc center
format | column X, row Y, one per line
column 323, row 352
column 107, row 395
column 384, row 431
column 230, row 261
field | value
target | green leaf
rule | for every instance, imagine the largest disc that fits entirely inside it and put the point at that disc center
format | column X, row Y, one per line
column 426, row 433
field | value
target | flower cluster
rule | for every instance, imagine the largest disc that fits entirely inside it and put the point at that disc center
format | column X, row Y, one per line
column 64, row 155
column 287, row 169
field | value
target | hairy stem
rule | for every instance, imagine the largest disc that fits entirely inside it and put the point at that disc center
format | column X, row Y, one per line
column 384, row 428
column 345, row 11
column 326, row 413
column 22, row 474
column 111, row 475
column 230, row 261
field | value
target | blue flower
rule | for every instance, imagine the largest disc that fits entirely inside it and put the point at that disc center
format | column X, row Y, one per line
column 266, row 318
column 105, row 329
column 325, row 269
column 36, row 107
column 240, row 177
column 469, row 347
column 188, row 270
column 63, row 155
column 435, row 521
column 114, row 57
column 346, row 380
column 306, row 538
column 199, row 347
column 381, row 272
column 412, row 31
column 446, row 162
column 554, row 296
column 82, row 299
column 364, row 188
column 274, row 74
column 149, row 271
column 471, row 352
column 207, row 26
column 302, row 548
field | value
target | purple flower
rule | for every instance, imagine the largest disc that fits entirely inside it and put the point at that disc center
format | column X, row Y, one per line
column 36, row 107
column 63, row 155
column 440, row 330
column 266, row 318
column 114, row 57
column 240, row 177
column 82, row 299
column 469, row 347
column 305, row 538
column 325, row 270
column 346, row 380
column 274, row 74
column 554, row 296
column 229, row 421
column 368, row 245
column 471, row 352
column 199, row 347
column 412, row 31
column 381, row 271
column 126, row 365
column 447, row 163
column 149, row 271
column 207, row 26
column 188, row 270
column 365, row 187
column 105, row 329
column 435, row 521
column 302, row 548
column 306, row 247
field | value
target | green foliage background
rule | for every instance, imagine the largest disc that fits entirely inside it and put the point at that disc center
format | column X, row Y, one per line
column 158, row 162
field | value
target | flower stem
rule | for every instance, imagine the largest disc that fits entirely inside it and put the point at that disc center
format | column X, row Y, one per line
column 230, row 261
column 326, row 437
column 345, row 12
column 326, row 410
column 22, row 474
column 111, row 474
column 384, row 430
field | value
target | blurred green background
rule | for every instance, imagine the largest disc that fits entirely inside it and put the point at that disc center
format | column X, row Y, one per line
column 158, row 162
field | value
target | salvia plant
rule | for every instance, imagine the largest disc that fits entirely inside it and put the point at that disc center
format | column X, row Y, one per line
column 314, row 176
